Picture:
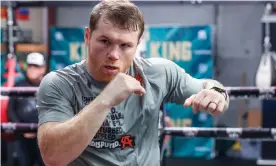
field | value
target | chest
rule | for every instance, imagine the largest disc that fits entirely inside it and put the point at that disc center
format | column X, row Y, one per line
column 127, row 124
column 130, row 115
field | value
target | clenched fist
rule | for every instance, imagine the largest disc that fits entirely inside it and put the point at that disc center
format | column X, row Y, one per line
column 209, row 101
column 120, row 88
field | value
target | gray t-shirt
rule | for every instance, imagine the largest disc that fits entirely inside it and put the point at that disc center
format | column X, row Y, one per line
column 129, row 135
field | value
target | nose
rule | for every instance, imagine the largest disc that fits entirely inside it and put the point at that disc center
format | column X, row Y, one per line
column 114, row 53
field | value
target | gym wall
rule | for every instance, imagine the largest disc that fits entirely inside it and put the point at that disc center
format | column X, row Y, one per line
column 34, row 25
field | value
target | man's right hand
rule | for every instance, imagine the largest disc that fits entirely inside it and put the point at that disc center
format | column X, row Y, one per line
column 120, row 88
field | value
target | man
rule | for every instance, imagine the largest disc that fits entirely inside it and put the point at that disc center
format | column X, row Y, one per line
column 104, row 110
column 23, row 110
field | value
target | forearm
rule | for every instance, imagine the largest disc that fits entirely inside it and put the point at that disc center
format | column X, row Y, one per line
column 209, row 83
column 65, row 141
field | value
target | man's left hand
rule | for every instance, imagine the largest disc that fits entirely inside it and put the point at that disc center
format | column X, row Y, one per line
column 209, row 101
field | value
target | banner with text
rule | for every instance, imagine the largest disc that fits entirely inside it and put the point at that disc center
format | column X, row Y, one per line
column 191, row 49
column 67, row 46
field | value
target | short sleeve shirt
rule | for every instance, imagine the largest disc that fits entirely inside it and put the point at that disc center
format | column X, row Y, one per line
column 129, row 134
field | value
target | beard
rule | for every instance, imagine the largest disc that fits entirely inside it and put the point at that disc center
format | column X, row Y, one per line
column 96, row 70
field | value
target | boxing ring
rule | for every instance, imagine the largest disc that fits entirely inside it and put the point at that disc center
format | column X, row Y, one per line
column 235, row 93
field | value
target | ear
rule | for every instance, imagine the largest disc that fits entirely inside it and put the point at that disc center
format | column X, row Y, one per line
column 138, row 43
column 87, row 35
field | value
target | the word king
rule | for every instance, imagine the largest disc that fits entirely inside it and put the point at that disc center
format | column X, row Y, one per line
column 78, row 51
column 172, row 50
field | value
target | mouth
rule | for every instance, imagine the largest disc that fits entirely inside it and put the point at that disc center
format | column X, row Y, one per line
column 110, row 67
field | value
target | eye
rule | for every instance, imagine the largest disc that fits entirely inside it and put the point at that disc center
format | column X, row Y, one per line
column 125, row 45
column 104, row 41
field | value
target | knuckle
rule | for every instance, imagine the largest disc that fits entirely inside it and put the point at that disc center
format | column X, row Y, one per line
column 125, row 82
column 202, row 106
column 220, row 108
column 202, row 109
column 127, row 85
column 222, row 97
column 209, row 98
column 130, row 86
column 218, row 94
column 137, row 82
column 212, row 106
column 196, row 103
column 204, row 91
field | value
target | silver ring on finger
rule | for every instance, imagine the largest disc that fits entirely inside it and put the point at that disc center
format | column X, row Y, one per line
column 213, row 102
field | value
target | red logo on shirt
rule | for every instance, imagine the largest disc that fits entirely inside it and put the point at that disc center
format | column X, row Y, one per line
column 127, row 141
column 139, row 78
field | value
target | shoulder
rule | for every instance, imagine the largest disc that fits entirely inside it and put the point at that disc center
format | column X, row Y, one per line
column 70, row 74
column 61, row 80
column 157, row 65
column 54, row 86
column 153, row 62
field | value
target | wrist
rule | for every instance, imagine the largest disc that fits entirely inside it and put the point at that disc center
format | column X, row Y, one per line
column 221, row 91
column 103, row 102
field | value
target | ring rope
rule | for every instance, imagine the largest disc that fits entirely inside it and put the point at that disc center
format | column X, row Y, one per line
column 11, row 128
column 266, row 134
column 18, row 91
column 252, row 92
column 222, row 133
column 234, row 92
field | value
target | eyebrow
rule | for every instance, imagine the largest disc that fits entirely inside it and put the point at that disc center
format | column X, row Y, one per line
column 125, row 42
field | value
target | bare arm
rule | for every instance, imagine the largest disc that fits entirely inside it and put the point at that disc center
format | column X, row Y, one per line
column 181, row 86
column 60, row 143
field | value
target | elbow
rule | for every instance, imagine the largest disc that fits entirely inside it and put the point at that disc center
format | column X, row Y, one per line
column 50, row 160
column 49, row 156
column 53, row 163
